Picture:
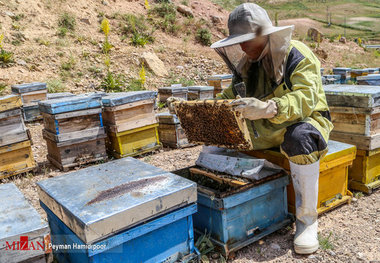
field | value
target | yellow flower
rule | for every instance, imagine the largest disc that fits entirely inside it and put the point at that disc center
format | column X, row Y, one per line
column 147, row 5
column 1, row 40
column 142, row 74
column 105, row 26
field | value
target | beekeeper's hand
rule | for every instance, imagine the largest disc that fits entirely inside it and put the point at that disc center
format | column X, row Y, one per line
column 254, row 109
column 170, row 102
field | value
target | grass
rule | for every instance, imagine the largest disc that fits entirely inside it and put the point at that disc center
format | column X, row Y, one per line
column 69, row 64
column 3, row 86
column 358, row 195
column 113, row 82
column 175, row 79
column 55, row 86
column 6, row 58
column 137, row 29
column 325, row 242
column 204, row 36
column 68, row 21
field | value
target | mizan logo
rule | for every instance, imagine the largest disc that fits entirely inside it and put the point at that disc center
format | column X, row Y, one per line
column 25, row 244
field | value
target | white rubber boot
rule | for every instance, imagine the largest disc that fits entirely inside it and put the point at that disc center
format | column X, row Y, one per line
column 305, row 183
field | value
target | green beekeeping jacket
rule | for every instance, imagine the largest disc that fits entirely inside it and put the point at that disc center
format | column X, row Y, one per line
column 300, row 97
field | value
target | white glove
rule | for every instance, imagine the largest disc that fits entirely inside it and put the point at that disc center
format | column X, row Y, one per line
column 170, row 102
column 254, row 109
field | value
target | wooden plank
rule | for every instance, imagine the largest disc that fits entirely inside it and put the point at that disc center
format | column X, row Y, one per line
column 354, row 110
column 28, row 87
column 217, row 178
column 31, row 113
column 10, row 102
column 76, row 124
column 12, row 130
column 75, row 141
column 70, row 136
column 362, row 142
column 129, row 105
column 146, row 120
column 73, row 114
column 32, row 98
column 10, row 113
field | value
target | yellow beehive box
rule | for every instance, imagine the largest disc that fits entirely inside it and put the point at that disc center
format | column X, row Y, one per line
column 10, row 102
column 364, row 175
column 333, row 177
column 133, row 142
column 16, row 158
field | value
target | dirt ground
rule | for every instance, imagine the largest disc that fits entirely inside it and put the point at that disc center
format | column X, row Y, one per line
column 351, row 233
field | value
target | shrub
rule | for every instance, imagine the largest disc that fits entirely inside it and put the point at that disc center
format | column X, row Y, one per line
column 113, row 82
column 55, row 85
column 67, row 21
column 204, row 36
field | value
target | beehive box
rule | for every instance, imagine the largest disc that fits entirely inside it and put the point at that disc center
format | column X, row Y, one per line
column 133, row 142
column 10, row 102
column 332, row 79
column 74, row 131
column 127, row 210
column 355, row 114
column 372, row 79
column 345, row 74
column 239, row 215
column 31, row 93
column 364, row 174
column 170, row 131
column 333, row 174
column 129, row 110
column 24, row 236
column 213, row 122
column 16, row 158
column 173, row 91
column 373, row 70
column 358, row 73
column 220, row 82
column 12, row 127
column 200, row 92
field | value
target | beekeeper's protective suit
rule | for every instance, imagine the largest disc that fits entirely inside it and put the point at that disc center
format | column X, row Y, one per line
column 280, row 93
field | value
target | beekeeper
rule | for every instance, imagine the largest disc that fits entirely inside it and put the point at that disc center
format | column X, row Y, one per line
column 277, row 87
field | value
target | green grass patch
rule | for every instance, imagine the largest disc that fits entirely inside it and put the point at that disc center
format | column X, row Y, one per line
column 55, row 86
column 325, row 242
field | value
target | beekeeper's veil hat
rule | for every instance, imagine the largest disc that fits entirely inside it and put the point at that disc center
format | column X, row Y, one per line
column 245, row 23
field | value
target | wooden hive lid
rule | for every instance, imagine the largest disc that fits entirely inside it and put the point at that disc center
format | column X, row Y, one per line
column 28, row 87
column 116, row 99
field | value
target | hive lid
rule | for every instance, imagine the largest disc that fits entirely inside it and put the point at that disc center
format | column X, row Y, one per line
column 17, row 216
column 172, row 90
column 359, row 96
column 360, row 70
column 53, row 96
column 220, row 76
column 201, row 88
column 337, row 149
column 369, row 77
column 342, row 69
column 28, row 87
column 116, row 99
column 167, row 118
column 69, row 104
column 102, row 200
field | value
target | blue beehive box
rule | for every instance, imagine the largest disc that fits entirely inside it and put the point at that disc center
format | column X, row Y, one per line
column 371, row 79
column 69, row 104
column 373, row 70
column 120, row 98
column 24, row 236
column 127, row 210
column 332, row 79
column 345, row 74
column 240, row 216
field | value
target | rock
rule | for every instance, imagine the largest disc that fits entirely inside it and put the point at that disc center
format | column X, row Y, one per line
column 275, row 246
column 261, row 242
column 154, row 64
column 86, row 21
column 180, row 67
column 354, row 199
column 311, row 257
column 104, row 2
column 216, row 20
column 330, row 252
column 322, row 53
column 343, row 40
column 315, row 34
column 20, row 62
column 10, row 14
column 185, row 10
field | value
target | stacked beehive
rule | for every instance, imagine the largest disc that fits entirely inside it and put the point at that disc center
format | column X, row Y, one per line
column 31, row 94
column 200, row 92
column 21, row 229
column 173, row 91
column 333, row 178
column 355, row 113
column 370, row 79
column 220, row 82
column 121, row 211
column 345, row 74
column 15, row 145
column 130, row 122
column 74, row 131
column 170, row 131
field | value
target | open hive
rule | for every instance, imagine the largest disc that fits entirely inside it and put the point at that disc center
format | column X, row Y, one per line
column 213, row 122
